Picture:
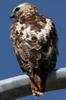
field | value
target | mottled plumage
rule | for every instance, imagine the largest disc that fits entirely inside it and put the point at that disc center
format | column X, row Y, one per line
column 35, row 43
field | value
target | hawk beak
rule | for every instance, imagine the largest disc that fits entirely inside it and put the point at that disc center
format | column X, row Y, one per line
column 12, row 15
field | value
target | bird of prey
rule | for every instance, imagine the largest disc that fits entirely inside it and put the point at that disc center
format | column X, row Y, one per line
column 34, row 39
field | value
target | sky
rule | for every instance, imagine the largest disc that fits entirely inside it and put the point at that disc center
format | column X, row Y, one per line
column 9, row 67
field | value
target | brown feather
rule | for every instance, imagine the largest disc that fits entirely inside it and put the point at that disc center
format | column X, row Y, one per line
column 35, row 43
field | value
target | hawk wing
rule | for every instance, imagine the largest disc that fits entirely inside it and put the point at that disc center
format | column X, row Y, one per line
column 27, row 52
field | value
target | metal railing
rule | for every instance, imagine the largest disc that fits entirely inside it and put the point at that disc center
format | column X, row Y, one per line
column 19, row 86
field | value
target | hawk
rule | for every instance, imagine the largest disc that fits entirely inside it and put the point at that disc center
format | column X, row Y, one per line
column 35, row 44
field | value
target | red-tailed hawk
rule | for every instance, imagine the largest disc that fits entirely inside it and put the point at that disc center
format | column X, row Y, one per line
column 35, row 43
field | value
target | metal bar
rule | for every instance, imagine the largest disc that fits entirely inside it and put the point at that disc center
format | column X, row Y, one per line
column 19, row 86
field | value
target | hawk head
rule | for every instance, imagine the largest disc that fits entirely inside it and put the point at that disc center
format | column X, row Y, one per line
column 22, row 10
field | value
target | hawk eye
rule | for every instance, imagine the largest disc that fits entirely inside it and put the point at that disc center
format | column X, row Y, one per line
column 17, row 9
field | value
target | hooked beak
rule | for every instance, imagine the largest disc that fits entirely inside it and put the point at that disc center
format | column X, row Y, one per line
column 12, row 15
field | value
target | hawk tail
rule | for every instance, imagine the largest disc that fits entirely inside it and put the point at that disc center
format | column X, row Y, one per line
column 38, row 82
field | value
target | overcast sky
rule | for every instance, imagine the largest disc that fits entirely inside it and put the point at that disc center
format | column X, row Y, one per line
column 9, row 67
